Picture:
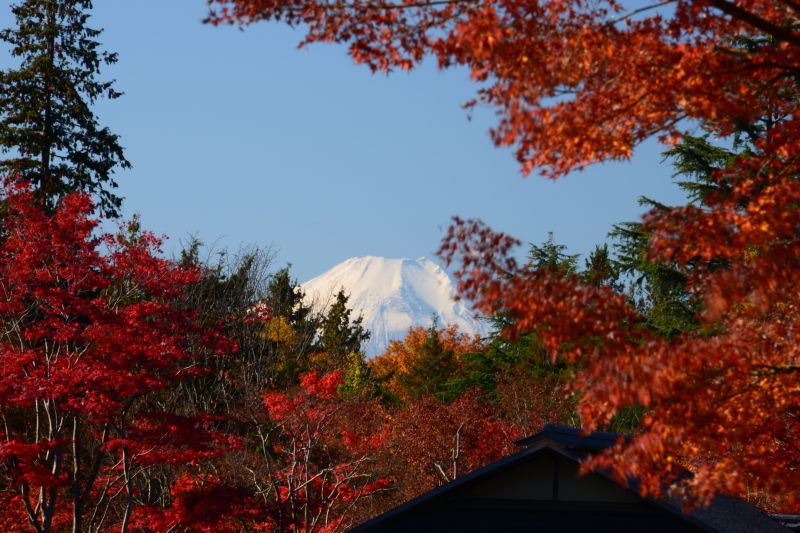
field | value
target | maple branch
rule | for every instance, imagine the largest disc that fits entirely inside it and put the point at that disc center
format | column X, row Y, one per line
column 771, row 370
column 422, row 4
column 6, row 429
column 630, row 14
column 100, row 502
column 33, row 517
column 441, row 470
column 794, row 6
column 789, row 70
column 757, row 22
column 457, row 449
column 259, row 489
column 95, row 470
column 353, row 475
column 369, row 7
column 741, row 391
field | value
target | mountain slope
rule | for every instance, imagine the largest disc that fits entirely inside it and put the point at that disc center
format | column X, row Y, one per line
column 393, row 295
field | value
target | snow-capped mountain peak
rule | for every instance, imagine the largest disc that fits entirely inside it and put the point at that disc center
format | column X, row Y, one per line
column 393, row 295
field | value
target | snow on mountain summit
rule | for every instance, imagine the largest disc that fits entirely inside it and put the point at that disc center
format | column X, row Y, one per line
column 393, row 295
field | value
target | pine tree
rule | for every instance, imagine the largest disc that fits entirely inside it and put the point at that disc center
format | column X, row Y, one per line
column 659, row 288
column 434, row 365
column 285, row 297
column 552, row 256
column 292, row 332
column 47, row 128
column 601, row 271
column 340, row 337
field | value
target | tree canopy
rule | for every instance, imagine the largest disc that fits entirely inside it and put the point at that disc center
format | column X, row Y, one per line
column 47, row 127
column 576, row 83
column 573, row 81
column 92, row 338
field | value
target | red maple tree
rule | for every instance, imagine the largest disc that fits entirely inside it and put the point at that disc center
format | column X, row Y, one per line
column 437, row 442
column 400, row 368
column 579, row 82
column 203, row 504
column 91, row 339
column 318, row 456
column 574, row 82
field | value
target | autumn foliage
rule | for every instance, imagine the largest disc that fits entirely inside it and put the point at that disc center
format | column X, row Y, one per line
column 320, row 460
column 91, row 338
column 202, row 504
column 125, row 406
column 442, row 441
column 104, row 367
column 424, row 360
column 579, row 82
column 573, row 81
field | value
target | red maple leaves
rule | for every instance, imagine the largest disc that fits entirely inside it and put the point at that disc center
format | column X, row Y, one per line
column 574, row 82
column 580, row 82
column 321, row 458
column 90, row 338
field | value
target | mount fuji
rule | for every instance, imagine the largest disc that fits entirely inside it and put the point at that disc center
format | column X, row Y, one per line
column 394, row 295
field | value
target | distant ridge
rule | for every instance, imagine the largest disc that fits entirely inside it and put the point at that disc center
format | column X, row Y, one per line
column 393, row 295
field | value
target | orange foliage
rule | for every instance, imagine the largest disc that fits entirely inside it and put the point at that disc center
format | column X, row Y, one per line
column 438, row 442
column 574, row 82
column 707, row 397
column 402, row 357
column 12, row 516
column 579, row 82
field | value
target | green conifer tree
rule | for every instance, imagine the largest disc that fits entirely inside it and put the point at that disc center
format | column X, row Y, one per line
column 552, row 256
column 293, row 329
column 659, row 289
column 339, row 336
column 601, row 271
column 47, row 128
column 434, row 366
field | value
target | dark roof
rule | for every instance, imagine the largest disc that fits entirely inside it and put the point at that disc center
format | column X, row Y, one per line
column 450, row 507
column 791, row 521
column 574, row 438
column 486, row 516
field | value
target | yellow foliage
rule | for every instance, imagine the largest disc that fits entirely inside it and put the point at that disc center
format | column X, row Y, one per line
column 280, row 330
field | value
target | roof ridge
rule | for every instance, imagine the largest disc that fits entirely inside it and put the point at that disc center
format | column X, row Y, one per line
column 574, row 438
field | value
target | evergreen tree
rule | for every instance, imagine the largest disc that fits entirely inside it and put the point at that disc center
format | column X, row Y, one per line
column 552, row 256
column 292, row 332
column 524, row 356
column 338, row 336
column 659, row 289
column 434, row 365
column 229, row 290
column 601, row 271
column 698, row 163
column 285, row 297
column 51, row 136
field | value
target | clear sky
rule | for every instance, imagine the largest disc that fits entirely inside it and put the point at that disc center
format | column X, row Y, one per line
column 241, row 138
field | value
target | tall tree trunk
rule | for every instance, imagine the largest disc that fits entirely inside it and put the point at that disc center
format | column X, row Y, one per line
column 47, row 126
column 77, row 500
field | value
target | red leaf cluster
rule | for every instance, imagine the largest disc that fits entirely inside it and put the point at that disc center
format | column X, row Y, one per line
column 88, row 337
column 321, row 458
column 574, row 82
column 579, row 82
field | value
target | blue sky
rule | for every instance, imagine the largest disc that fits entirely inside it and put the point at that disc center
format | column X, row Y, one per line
column 241, row 138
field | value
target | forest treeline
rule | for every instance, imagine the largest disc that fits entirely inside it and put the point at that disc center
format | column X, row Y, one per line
column 196, row 394
column 204, row 393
